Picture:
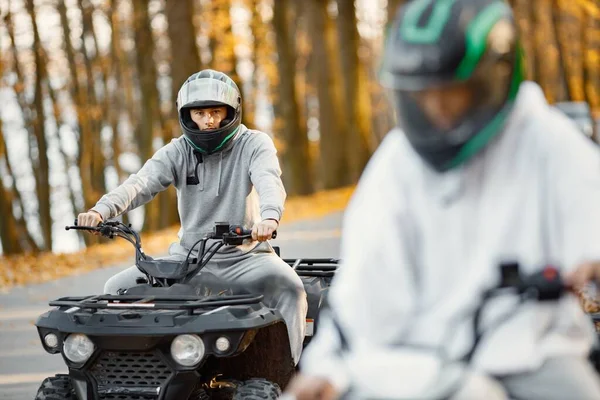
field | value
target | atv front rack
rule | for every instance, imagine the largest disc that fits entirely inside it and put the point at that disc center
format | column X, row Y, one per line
column 319, row 267
column 178, row 302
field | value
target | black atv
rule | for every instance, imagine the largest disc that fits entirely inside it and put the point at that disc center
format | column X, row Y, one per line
column 178, row 334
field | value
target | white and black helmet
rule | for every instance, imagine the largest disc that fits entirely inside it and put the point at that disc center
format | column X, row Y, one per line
column 434, row 44
column 209, row 88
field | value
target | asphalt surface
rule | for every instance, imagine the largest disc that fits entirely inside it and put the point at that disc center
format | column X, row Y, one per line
column 24, row 363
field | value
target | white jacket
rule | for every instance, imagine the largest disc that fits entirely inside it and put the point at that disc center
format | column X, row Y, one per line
column 419, row 247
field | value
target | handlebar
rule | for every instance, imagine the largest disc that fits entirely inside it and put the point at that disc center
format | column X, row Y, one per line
column 222, row 230
column 223, row 234
column 544, row 285
column 109, row 229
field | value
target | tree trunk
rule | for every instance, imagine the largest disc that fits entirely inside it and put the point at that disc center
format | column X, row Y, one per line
column 185, row 56
column 569, row 27
column 591, row 38
column 13, row 231
column 332, row 119
column 116, row 98
column 382, row 108
column 149, row 122
column 61, row 146
column 8, row 224
column 19, row 89
column 185, row 60
column 83, row 122
column 523, row 10
column 260, row 45
column 95, row 109
column 127, row 61
column 223, row 43
column 41, row 164
column 547, row 52
column 294, row 156
column 84, row 125
column 563, row 66
column 356, row 91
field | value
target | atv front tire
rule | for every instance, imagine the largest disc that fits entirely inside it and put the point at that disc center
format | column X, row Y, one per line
column 257, row 389
column 56, row 388
column 199, row 394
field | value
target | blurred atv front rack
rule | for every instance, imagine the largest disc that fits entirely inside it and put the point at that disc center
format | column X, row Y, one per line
column 318, row 267
column 174, row 302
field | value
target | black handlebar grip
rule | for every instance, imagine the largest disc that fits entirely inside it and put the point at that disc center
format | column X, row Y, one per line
column 238, row 230
column 73, row 226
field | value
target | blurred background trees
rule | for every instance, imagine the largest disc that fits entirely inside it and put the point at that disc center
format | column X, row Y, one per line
column 88, row 90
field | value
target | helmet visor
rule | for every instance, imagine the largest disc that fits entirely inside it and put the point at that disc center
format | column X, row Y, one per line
column 449, row 113
column 438, row 113
column 205, row 92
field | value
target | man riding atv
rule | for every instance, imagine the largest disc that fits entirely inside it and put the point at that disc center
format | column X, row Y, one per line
column 480, row 170
column 222, row 171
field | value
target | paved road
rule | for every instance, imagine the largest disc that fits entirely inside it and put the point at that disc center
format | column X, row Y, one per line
column 23, row 362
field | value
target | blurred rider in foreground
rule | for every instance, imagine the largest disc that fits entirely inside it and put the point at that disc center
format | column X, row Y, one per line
column 480, row 170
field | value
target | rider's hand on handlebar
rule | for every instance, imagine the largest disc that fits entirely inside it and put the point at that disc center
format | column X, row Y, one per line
column 304, row 387
column 588, row 272
column 264, row 230
column 90, row 218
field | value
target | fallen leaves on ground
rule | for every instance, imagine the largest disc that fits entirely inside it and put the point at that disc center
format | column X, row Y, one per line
column 28, row 269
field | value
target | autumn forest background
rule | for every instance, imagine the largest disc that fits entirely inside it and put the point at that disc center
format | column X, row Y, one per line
column 87, row 89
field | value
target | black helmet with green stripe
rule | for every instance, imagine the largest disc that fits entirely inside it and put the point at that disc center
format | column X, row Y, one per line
column 209, row 88
column 454, row 67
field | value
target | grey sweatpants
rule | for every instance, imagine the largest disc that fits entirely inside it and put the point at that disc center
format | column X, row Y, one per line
column 560, row 378
column 260, row 272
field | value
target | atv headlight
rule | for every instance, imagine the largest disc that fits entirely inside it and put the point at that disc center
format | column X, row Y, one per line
column 187, row 350
column 222, row 344
column 78, row 347
column 51, row 340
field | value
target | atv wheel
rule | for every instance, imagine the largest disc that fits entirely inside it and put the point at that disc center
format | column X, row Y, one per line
column 257, row 389
column 56, row 388
column 199, row 394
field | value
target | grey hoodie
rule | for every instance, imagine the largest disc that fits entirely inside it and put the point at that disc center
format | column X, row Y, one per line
column 240, row 185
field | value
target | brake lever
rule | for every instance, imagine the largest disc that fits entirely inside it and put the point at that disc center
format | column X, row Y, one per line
column 113, row 223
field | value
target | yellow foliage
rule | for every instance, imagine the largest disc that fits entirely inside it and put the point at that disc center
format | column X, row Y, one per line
column 590, row 6
column 28, row 269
